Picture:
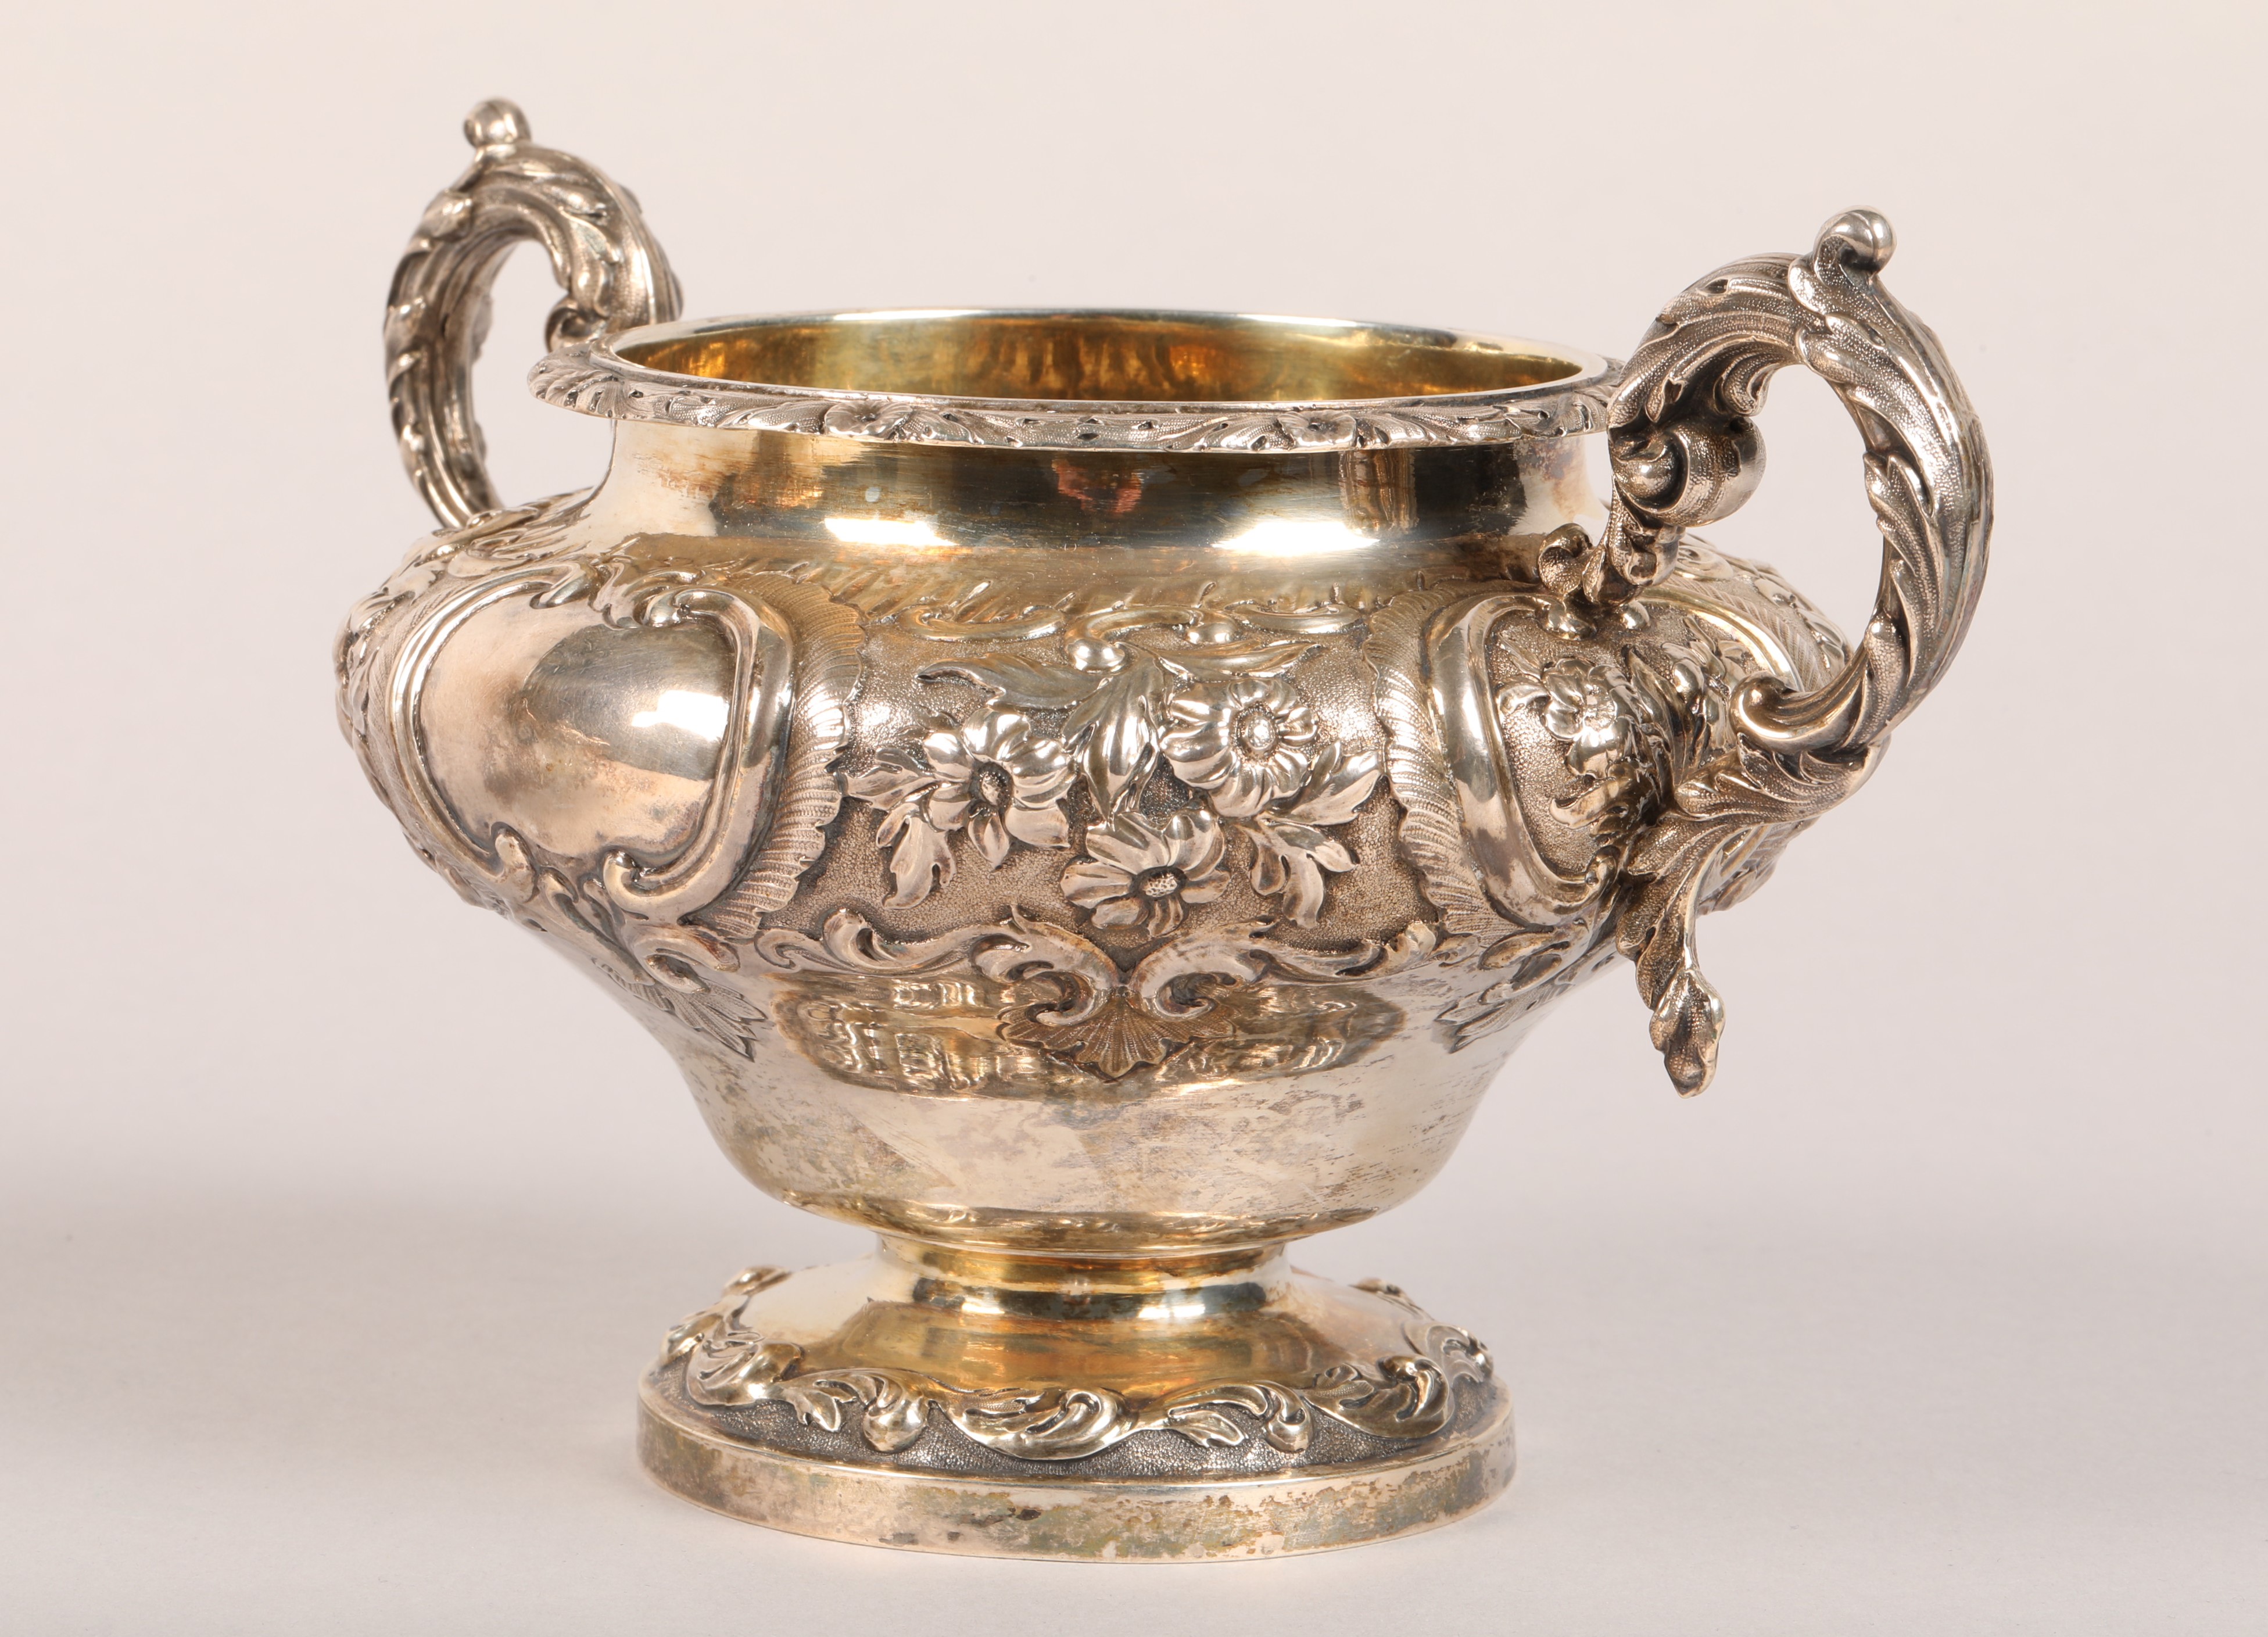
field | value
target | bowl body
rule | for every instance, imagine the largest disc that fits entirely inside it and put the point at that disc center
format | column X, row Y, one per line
column 1103, row 830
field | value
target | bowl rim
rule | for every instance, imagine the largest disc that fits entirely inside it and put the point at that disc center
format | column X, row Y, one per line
column 593, row 377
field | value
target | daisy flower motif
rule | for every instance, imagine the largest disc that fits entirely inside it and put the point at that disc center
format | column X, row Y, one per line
column 991, row 775
column 1249, row 739
column 999, row 780
column 1585, row 708
column 1146, row 876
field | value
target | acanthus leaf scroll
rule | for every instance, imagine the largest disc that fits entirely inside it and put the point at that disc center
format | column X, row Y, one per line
column 1685, row 452
column 728, row 1363
column 1070, row 999
column 1636, row 703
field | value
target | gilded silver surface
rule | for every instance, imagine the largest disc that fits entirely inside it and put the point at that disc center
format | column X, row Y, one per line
column 1400, row 1388
column 1094, row 797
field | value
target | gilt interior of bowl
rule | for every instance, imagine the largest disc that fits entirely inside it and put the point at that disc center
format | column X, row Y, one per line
column 1104, row 358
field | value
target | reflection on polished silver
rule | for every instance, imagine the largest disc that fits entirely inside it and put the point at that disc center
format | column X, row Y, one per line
column 1094, row 797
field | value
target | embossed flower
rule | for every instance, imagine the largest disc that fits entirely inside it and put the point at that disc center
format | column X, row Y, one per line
column 992, row 775
column 1702, row 677
column 1000, row 779
column 1248, row 740
column 1146, row 875
column 1585, row 708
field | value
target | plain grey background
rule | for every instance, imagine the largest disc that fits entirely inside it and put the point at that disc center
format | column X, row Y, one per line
column 336, row 1220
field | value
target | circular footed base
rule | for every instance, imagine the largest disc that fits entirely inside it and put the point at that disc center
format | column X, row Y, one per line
column 940, row 1401
column 1311, row 1508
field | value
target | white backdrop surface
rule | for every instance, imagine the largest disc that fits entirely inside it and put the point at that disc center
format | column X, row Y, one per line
column 335, row 1221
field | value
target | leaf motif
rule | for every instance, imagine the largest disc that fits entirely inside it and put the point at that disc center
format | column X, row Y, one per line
column 1297, row 622
column 1269, row 873
column 1717, row 813
column 991, row 619
column 1116, row 731
column 1050, row 1424
column 1113, row 692
column 1686, row 1025
column 1209, row 1427
column 1284, row 865
column 1243, row 952
column 1338, row 784
column 1261, row 429
column 1112, row 1042
column 1432, row 831
column 818, row 1400
column 1028, row 947
column 1297, row 838
column 1305, row 897
column 1928, row 478
column 1035, row 684
column 920, row 860
column 1283, row 1414
column 1290, row 859
column 888, row 784
column 827, row 672
column 1406, row 1395
column 1231, row 954
column 1254, row 656
column 733, row 1366
column 1040, row 827
column 1522, row 946
column 848, row 942
column 897, row 1415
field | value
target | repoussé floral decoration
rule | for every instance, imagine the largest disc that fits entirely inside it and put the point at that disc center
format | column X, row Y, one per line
column 1203, row 698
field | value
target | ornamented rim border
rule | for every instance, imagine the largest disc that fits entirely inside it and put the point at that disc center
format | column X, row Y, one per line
column 663, row 1396
column 1407, row 1398
column 593, row 377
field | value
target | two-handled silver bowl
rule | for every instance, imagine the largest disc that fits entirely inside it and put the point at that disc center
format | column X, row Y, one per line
column 1096, row 797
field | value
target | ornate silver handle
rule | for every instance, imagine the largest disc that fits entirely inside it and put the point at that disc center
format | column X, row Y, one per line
column 1685, row 452
column 437, row 314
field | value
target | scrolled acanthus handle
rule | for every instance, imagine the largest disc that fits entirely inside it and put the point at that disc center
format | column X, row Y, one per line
column 613, row 273
column 1685, row 452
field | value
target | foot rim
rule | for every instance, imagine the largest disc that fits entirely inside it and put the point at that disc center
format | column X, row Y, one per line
column 1090, row 1519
